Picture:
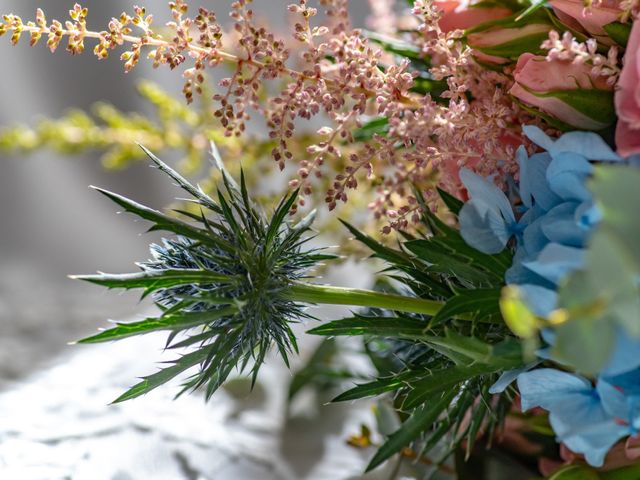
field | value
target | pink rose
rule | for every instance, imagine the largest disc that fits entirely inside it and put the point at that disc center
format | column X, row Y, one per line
column 565, row 91
column 500, row 45
column 460, row 15
column 592, row 20
column 627, row 97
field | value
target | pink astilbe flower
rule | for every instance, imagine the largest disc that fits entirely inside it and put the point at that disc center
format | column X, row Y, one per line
column 568, row 48
column 336, row 73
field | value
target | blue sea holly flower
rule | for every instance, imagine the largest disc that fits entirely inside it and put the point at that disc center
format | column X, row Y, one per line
column 487, row 221
column 576, row 411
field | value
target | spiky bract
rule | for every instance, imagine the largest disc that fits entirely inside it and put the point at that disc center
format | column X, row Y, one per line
column 221, row 284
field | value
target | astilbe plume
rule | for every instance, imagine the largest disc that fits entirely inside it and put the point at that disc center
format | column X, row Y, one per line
column 340, row 74
column 221, row 284
column 569, row 49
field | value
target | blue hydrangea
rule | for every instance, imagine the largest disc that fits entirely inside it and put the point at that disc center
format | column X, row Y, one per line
column 588, row 419
column 553, row 220
column 549, row 229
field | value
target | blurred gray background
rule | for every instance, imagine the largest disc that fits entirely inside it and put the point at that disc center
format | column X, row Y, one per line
column 51, row 224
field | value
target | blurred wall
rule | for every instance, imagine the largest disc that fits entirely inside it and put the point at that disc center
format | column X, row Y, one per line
column 51, row 224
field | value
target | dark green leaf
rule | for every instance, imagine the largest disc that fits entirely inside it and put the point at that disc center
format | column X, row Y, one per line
column 483, row 303
column 379, row 386
column 411, row 429
column 374, row 325
column 163, row 376
column 619, row 32
column 453, row 204
column 173, row 321
column 154, row 280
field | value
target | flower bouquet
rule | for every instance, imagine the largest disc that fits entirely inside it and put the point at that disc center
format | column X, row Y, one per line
column 497, row 145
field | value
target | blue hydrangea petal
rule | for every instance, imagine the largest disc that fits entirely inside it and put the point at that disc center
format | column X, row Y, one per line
column 587, row 429
column 519, row 274
column 575, row 411
column 628, row 381
column 480, row 188
column 534, row 188
column 556, row 261
column 588, row 144
column 510, row 376
column 540, row 299
column 625, row 358
column 533, row 238
column 537, row 136
column 560, row 226
column 566, row 176
column 613, row 400
column 588, row 215
column 483, row 227
column 551, row 389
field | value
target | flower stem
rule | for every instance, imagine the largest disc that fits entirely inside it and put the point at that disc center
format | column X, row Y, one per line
column 325, row 294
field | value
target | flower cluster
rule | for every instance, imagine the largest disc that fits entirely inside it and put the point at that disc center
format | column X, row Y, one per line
column 550, row 225
column 554, row 218
column 337, row 72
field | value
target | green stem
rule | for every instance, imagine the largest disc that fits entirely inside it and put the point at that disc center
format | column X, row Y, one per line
column 311, row 293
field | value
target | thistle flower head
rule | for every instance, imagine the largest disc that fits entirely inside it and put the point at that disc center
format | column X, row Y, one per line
column 221, row 284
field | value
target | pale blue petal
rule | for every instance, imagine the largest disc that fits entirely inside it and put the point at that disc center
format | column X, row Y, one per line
column 588, row 144
column 587, row 429
column 588, row 215
column 613, row 400
column 533, row 238
column 480, row 188
column 537, row 136
column 567, row 174
column 510, row 376
column 483, row 228
column 551, row 389
column 548, row 335
column 534, row 188
column 519, row 274
column 560, row 226
column 626, row 356
column 556, row 261
column 540, row 299
column 575, row 411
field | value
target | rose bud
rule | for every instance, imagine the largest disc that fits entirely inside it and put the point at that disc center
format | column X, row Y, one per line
column 503, row 41
column 566, row 94
column 591, row 19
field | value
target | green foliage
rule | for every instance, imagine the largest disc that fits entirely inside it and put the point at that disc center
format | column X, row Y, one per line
column 438, row 368
column 585, row 472
column 221, row 284
column 619, row 32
